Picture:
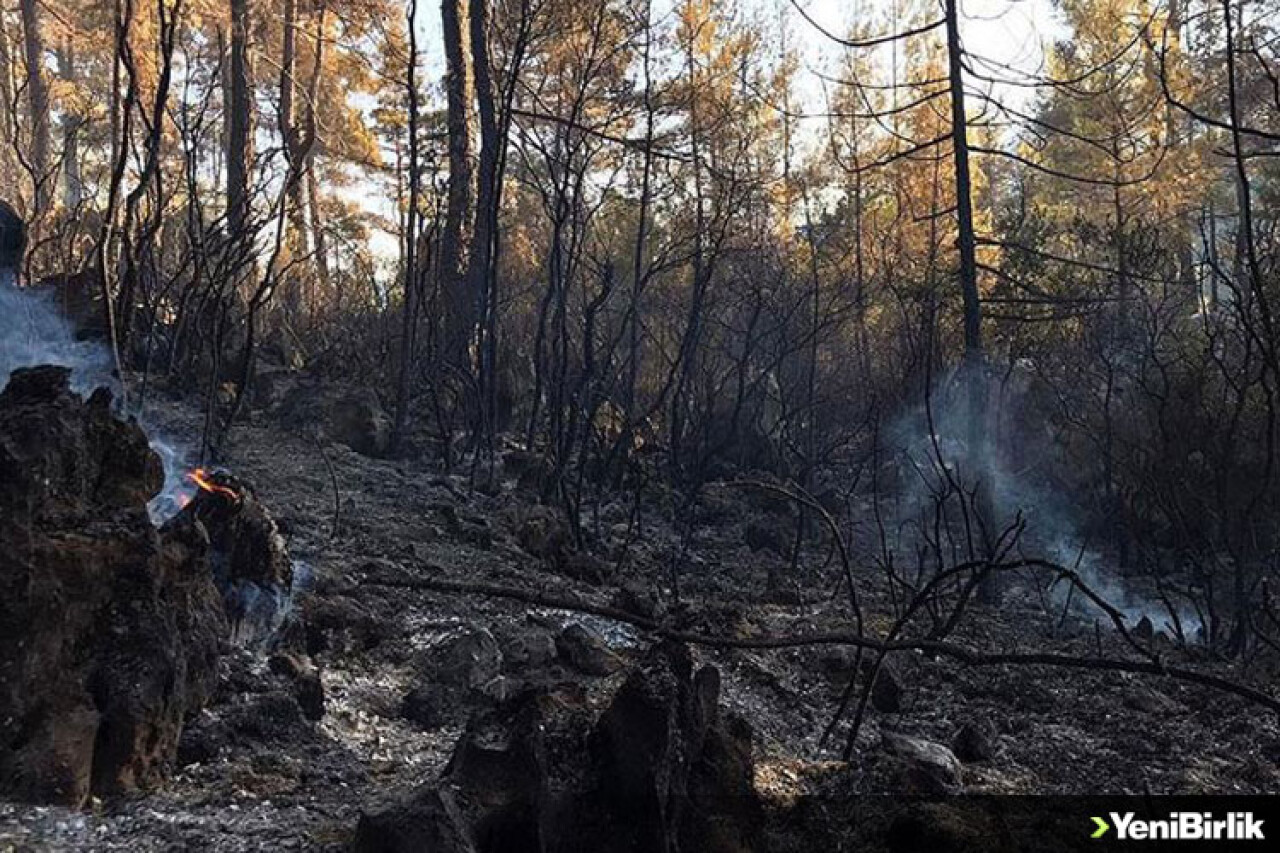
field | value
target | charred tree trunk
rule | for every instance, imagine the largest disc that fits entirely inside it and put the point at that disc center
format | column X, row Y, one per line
column 974, row 368
column 239, row 128
column 315, row 216
column 481, row 272
column 459, row 309
column 73, row 183
column 408, row 325
column 38, row 99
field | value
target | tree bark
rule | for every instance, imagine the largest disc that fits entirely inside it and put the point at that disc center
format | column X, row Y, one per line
column 319, row 245
column 239, row 121
column 460, row 312
column 973, row 371
column 481, row 273
column 408, row 325
column 73, row 184
column 38, row 99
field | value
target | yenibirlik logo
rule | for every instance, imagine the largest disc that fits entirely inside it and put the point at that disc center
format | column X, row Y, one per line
column 1182, row 826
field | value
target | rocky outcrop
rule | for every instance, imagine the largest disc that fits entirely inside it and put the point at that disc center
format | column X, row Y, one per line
column 660, row 769
column 109, row 629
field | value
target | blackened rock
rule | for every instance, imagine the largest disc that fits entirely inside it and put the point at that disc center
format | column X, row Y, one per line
column 886, row 690
column 974, row 743
column 659, row 770
column 203, row 740
column 271, row 717
column 669, row 768
column 426, row 707
column 526, row 649
column 586, row 651
column 497, row 792
column 251, row 565
column 466, row 660
column 308, row 688
column 65, row 458
column 927, row 767
column 453, row 674
column 587, row 568
column 635, row 599
column 360, row 422
column 338, row 622
column 429, row 823
column 773, row 534
column 110, row 630
column 541, row 532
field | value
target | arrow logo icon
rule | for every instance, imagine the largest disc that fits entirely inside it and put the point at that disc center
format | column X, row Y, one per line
column 1102, row 825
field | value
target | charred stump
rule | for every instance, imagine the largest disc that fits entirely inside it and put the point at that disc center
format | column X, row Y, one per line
column 250, row 563
column 661, row 769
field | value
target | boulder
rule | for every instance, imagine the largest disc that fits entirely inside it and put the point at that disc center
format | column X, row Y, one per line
column 110, row 629
column 887, row 690
column 259, row 706
column 467, row 660
column 526, row 649
column 585, row 567
column 430, row 822
column 926, row 767
column 634, row 598
column 341, row 623
column 671, row 769
column 454, row 674
column 586, row 651
column 64, row 458
column 348, row 415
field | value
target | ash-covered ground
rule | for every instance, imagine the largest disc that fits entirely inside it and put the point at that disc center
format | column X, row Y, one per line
column 254, row 771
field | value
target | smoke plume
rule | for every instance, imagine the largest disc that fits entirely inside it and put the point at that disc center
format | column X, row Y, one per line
column 34, row 331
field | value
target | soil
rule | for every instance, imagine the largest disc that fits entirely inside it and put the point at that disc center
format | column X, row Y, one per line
column 255, row 773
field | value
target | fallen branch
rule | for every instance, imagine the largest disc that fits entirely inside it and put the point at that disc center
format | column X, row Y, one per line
column 954, row 651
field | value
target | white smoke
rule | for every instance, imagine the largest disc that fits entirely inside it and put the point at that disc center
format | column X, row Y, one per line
column 933, row 441
column 34, row 331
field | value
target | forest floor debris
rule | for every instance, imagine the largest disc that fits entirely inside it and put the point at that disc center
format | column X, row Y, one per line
column 259, row 774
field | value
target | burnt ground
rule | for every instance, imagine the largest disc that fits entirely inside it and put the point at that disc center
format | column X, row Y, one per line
column 255, row 775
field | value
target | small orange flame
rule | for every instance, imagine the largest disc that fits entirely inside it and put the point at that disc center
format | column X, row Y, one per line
column 201, row 478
